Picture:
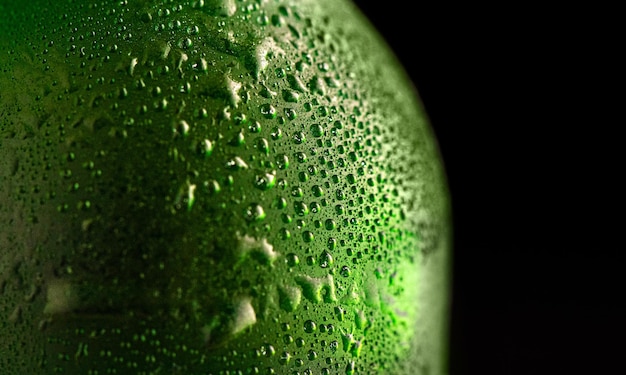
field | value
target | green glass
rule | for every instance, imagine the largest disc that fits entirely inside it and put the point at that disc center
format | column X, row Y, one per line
column 215, row 187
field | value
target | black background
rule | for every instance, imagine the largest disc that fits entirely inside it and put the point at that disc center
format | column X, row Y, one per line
column 512, row 94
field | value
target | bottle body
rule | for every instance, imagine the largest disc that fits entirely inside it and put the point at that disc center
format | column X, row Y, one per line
column 214, row 186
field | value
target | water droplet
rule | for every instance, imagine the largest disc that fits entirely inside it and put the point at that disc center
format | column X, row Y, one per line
column 262, row 249
column 185, row 196
column 262, row 145
column 310, row 326
column 265, row 181
column 307, row 236
column 299, row 138
column 254, row 127
column 350, row 368
column 339, row 209
column 283, row 184
column 285, row 357
column 300, row 157
column 339, row 194
column 233, row 88
column 311, row 355
column 310, row 260
column 276, row 133
column 340, row 313
column 326, row 260
column 317, row 86
column 263, row 52
column 277, row 20
column 284, row 234
column 243, row 316
column 212, row 186
column 292, row 260
column 291, row 114
column 133, row 64
column 317, row 130
column 345, row 271
column 297, row 192
column 238, row 139
column 235, row 163
column 282, row 161
column 254, row 212
column 296, row 83
column 280, row 203
column 263, row 20
column 360, row 319
column 317, row 289
column 204, row 147
column 300, row 342
column 330, row 224
column 146, row 17
column 185, row 43
column 267, row 93
column 291, row 96
column 268, row 350
column 289, row 298
column 303, row 177
column 301, row 208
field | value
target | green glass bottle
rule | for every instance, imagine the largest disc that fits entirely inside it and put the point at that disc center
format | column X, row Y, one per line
column 215, row 187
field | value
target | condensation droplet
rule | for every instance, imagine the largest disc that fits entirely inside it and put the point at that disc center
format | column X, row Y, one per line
column 260, row 247
column 317, row 289
column 326, row 260
column 204, row 147
column 265, row 181
column 310, row 326
column 265, row 50
column 233, row 88
column 289, row 298
column 254, row 212
column 243, row 316
column 235, row 163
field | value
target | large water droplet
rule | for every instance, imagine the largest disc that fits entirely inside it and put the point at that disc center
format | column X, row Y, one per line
column 317, row 289
column 263, row 52
column 260, row 248
column 243, row 316
column 233, row 88
column 326, row 260
column 289, row 298
column 264, row 180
